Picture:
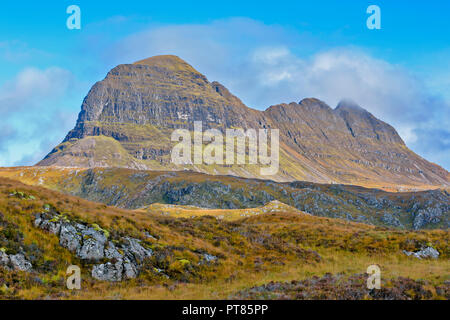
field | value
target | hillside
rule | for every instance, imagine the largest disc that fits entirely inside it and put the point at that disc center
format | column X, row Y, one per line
column 180, row 211
column 145, row 255
column 137, row 189
column 126, row 120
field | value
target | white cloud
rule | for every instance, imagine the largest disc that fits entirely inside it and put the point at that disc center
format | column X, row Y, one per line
column 32, row 114
column 389, row 92
column 32, row 85
column 18, row 51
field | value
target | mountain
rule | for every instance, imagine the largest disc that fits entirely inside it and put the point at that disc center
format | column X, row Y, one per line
column 127, row 119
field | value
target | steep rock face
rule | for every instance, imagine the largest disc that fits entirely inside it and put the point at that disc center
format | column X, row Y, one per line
column 348, row 144
column 127, row 120
column 161, row 91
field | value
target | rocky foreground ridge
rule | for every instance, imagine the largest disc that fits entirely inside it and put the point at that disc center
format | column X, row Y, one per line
column 137, row 254
column 126, row 120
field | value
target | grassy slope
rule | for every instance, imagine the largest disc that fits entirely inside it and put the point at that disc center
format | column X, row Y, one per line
column 252, row 251
column 180, row 211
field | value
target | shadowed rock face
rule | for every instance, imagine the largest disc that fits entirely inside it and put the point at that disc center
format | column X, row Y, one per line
column 127, row 119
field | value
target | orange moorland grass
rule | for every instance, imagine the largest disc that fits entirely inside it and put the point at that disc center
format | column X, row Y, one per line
column 349, row 264
column 180, row 211
column 277, row 246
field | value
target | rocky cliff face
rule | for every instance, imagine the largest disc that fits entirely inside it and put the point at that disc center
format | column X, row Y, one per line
column 127, row 120
column 161, row 91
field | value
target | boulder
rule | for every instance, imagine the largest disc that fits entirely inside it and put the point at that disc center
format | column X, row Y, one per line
column 92, row 249
column 50, row 226
column 131, row 269
column 111, row 252
column 18, row 262
column 4, row 259
column 427, row 252
column 108, row 271
column 135, row 251
column 90, row 243
column 69, row 237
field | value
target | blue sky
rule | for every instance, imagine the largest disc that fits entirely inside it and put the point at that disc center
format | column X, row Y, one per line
column 266, row 52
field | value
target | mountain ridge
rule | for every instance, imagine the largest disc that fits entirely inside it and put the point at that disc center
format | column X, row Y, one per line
column 139, row 105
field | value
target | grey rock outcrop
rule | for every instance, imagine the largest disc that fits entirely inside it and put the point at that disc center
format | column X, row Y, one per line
column 69, row 237
column 111, row 251
column 19, row 262
column 427, row 252
column 209, row 258
column 134, row 250
column 91, row 244
column 391, row 220
column 16, row 262
column 108, row 271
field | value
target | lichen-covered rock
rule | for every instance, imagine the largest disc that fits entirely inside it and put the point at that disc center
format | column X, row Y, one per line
column 37, row 220
column 131, row 269
column 90, row 243
column 427, row 216
column 111, row 251
column 98, row 235
column 209, row 258
column 136, row 250
column 108, row 271
column 93, row 244
column 69, row 237
column 19, row 262
column 92, row 249
column 390, row 220
column 50, row 226
column 16, row 262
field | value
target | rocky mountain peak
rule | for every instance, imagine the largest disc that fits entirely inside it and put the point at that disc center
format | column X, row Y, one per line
column 134, row 110
column 361, row 122
column 313, row 102
column 169, row 62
